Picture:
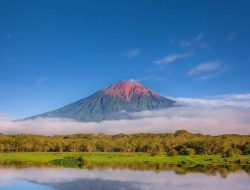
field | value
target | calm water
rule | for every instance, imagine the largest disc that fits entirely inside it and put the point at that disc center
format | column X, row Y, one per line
column 121, row 178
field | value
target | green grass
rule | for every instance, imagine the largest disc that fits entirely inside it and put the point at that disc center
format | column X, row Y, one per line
column 112, row 157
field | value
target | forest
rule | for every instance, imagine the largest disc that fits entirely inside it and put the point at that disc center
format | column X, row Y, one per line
column 179, row 143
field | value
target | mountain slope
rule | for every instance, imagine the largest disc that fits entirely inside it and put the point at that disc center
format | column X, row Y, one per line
column 104, row 104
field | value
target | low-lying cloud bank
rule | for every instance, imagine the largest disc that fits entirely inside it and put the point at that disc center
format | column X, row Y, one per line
column 217, row 115
column 237, row 100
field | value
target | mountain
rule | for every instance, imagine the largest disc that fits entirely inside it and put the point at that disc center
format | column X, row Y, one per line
column 129, row 96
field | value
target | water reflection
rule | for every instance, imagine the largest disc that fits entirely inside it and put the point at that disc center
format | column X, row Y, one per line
column 19, row 184
column 119, row 177
column 222, row 170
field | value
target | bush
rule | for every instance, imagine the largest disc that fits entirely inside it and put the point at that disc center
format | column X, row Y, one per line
column 80, row 159
column 246, row 149
column 181, row 132
column 186, row 151
column 172, row 152
column 70, row 162
column 231, row 152
column 153, row 152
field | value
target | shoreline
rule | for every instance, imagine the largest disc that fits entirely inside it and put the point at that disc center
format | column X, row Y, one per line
column 124, row 157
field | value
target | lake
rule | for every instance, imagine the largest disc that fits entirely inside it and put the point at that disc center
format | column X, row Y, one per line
column 115, row 177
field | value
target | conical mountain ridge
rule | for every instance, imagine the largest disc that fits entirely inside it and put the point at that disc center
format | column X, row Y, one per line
column 124, row 96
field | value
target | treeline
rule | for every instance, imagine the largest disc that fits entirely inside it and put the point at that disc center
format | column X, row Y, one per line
column 179, row 143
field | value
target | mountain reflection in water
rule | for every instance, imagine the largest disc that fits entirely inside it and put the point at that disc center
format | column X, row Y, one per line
column 115, row 177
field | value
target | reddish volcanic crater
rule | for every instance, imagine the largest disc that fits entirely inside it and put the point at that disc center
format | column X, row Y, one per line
column 128, row 90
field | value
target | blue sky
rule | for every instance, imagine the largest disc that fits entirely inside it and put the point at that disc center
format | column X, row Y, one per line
column 56, row 52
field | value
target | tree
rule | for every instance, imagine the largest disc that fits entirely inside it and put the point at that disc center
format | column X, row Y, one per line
column 181, row 132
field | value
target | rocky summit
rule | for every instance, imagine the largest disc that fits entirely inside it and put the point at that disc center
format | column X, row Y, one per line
column 105, row 104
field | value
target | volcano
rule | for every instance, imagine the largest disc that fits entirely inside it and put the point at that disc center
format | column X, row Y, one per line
column 106, row 104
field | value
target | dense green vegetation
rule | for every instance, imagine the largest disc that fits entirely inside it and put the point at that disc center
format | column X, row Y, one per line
column 209, row 164
column 179, row 143
column 119, row 157
column 70, row 161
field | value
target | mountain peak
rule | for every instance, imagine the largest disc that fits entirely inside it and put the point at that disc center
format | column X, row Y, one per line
column 130, row 96
column 129, row 89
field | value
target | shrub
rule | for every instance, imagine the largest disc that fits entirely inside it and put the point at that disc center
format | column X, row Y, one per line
column 181, row 132
column 246, row 148
column 153, row 152
column 70, row 162
column 80, row 159
column 172, row 152
column 186, row 151
column 231, row 152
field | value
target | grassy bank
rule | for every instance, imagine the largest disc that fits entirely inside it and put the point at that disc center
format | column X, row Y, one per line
column 111, row 157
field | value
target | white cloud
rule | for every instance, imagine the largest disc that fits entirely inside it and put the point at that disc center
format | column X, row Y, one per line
column 41, row 79
column 194, row 42
column 215, row 115
column 185, row 43
column 199, row 37
column 235, row 100
column 209, row 120
column 205, row 68
column 171, row 58
column 230, row 37
column 151, row 78
column 132, row 53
